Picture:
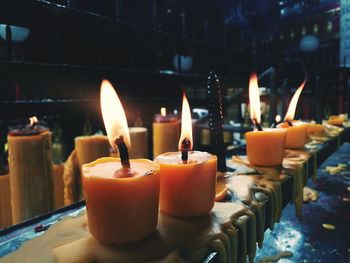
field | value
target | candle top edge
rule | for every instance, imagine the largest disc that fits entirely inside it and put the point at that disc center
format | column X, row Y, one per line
column 174, row 158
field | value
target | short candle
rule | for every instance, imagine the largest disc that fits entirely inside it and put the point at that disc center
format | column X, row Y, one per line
column 122, row 195
column 187, row 178
column 121, row 210
column 265, row 147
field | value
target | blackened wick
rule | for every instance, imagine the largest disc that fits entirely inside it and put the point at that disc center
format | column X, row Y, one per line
column 123, row 151
column 185, row 147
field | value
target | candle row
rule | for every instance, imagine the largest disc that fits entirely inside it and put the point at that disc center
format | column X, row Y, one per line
column 265, row 147
column 123, row 196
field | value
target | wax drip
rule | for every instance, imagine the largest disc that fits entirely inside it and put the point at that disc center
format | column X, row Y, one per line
column 185, row 147
column 123, row 152
column 216, row 120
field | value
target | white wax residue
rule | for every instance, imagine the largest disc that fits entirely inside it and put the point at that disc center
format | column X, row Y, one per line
column 107, row 169
column 175, row 157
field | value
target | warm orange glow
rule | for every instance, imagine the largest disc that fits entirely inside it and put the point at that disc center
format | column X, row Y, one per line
column 254, row 98
column 278, row 118
column 163, row 111
column 33, row 120
column 186, row 122
column 113, row 114
column 293, row 103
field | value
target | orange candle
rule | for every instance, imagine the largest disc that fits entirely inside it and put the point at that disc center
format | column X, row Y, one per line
column 264, row 147
column 121, row 210
column 296, row 130
column 122, row 195
column 296, row 135
column 336, row 120
column 314, row 129
column 187, row 178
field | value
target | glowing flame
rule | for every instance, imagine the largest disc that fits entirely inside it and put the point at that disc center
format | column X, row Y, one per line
column 163, row 111
column 293, row 103
column 278, row 118
column 254, row 98
column 186, row 123
column 113, row 114
column 33, row 120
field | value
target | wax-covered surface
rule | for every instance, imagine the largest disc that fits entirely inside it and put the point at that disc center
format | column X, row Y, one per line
column 241, row 244
column 307, row 239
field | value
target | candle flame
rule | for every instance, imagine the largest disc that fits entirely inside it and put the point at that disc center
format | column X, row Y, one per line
column 293, row 103
column 113, row 114
column 32, row 121
column 278, row 118
column 186, row 123
column 163, row 111
column 254, row 99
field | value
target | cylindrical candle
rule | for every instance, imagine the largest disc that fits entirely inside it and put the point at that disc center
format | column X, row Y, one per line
column 121, row 210
column 266, row 148
column 315, row 129
column 5, row 201
column 89, row 148
column 187, row 189
column 30, row 164
column 139, row 142
column 166, row 133
column 296, row 135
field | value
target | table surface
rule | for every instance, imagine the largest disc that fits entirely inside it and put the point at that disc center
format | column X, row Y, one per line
column 306, row 238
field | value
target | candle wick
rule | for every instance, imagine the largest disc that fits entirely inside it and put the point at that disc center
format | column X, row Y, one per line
column 257, row 125
column 290, row 123
column 185, row 146
column 123, row 152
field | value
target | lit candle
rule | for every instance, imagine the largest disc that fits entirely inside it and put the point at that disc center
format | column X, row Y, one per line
column 264, row 147
column 121, row 195
column 166, row 132
column 187, row 178
column 30, row 165
column 296, row 130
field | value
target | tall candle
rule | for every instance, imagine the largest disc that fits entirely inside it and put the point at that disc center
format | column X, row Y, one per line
column 187, row 178
column 89, row 148
column 121, row 195
column 5, row 201
column 166, row 133
column 264, row 147
column 139, row 142
column 30, row 164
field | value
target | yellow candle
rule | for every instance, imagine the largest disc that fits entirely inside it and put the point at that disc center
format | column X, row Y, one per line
column 5, row 201
column 121, row 210
column 30, row 165
column 166, row 133
column 296, row 135
column 266, row 148
column 187, row 189
column 139, row 142
column 89, row 148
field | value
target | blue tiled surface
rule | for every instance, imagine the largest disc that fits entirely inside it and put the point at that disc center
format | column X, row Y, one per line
column 306, row 238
